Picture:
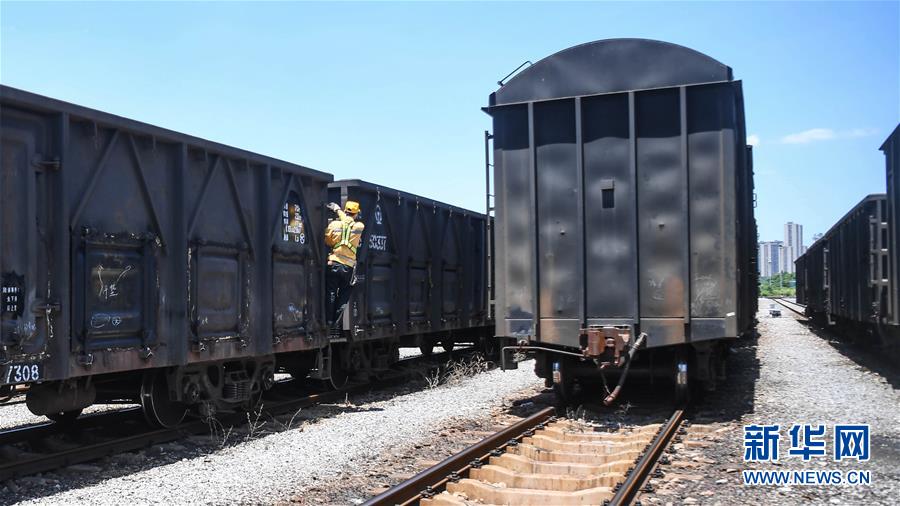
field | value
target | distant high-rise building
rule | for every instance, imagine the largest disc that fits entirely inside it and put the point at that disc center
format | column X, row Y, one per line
column 793, row 245
column 770, row 253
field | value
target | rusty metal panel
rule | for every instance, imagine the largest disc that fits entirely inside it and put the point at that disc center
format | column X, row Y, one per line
column 559, row 253
column 416, row 272
column 297, row 246
column 515, row 218
column 662, row 230
column 609, row 208
column 159, row 244
column 639, row 146
column 26, row 334
column 710, row 125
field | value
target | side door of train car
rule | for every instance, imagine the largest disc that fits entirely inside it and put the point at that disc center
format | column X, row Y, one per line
column 379, row 252
column 224, row 283
column 119, row 220
column 372, row 309
column 451, row 273
column 419, row 257
column 297, row 256
column 29, row 296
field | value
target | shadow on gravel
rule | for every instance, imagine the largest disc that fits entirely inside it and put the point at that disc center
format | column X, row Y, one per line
column 872, row 358
column 734, row 397
column 191, row 446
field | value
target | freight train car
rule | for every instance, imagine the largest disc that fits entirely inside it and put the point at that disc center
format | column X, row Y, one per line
column 143, row 265
column 625, row 235
column 421, row 279
column 843, row 277
column 139, row 260
column 848, row 279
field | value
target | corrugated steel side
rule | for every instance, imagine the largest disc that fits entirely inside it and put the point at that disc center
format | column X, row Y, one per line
column 138, row 247
column 421, row 264
column 844, row 275
column 624, row 207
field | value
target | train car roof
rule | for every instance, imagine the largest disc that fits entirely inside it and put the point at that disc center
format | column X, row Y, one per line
column 895, row 136
column 833, row 228
column 611, row 65
column 389, row 192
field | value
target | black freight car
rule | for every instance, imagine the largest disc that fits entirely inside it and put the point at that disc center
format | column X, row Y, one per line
column 421, row 278
column 150, row 265
column 843, row 277
column 624, row 212
column 849, row 278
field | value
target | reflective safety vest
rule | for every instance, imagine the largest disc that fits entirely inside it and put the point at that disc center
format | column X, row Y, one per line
column 343, row 236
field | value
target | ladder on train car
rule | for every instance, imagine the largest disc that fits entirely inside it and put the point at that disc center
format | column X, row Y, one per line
column 489, row 226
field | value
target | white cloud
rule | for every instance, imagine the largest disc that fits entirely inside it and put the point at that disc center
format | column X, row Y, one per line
column 811, row 135
column 753, row 140
column 826, row 134
column 861, row 132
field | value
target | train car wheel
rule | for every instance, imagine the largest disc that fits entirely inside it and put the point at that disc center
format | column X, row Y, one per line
column 65, row 417
column 562, row 394
column 490, row 348
column 158, row 408
column 682, row 385
column 298, row 373
column 447, row 345
column 563, row 384
column 426, row 349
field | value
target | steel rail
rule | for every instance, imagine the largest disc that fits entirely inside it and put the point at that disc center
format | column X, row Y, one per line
column 41, row 430
column 434, row 479
column 789, row 305
column 147, row 436
column 630, row 488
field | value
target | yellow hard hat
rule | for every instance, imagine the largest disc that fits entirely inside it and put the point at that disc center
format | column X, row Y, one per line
column 351, row 207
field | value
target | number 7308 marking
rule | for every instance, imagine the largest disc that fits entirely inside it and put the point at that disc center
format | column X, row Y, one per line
column 22, row 373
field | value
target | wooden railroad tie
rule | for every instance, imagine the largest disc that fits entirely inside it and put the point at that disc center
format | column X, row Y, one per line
column 564, row 463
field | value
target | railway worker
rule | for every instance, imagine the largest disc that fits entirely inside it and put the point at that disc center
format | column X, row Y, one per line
column 343, row 236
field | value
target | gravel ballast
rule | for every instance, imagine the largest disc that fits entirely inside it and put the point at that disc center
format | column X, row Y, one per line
column 793, row 373
column 274, row 467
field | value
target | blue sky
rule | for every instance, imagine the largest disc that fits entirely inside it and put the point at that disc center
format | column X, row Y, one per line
column 390, row 92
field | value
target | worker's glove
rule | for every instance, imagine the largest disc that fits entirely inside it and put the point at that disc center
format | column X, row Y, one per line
column 333, row 207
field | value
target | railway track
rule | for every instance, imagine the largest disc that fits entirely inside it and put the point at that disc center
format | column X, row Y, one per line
column 792, row 306
column 542, row 460
column 48, row 446
column 13, row 395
